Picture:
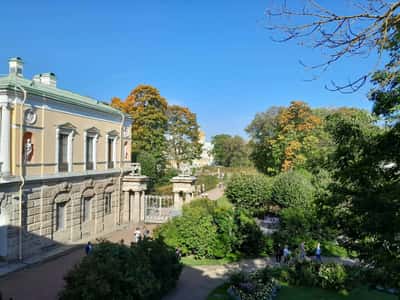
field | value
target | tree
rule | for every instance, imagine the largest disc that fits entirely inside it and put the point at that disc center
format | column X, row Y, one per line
column 230, row 151
column 148, row 110
column 370, row 26
column 286, row 138
column 183, row 135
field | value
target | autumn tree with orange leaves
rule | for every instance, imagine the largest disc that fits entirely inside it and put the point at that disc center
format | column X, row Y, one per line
column 289, row 139
column 149, row 112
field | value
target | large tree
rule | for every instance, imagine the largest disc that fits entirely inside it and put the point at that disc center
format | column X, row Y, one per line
column 367, row 202
column 149, row 112
column 230, row 151
column 183, row 135
column 286, row 138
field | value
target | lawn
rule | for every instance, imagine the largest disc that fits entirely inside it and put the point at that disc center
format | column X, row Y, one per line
column 191, row 261
column 304, row 293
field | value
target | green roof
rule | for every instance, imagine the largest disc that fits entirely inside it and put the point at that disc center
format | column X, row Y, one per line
column 55, row 93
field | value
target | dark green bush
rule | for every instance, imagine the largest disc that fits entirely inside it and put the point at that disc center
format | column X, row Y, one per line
column 210, row 231
column 293, row 189
column 113, row 271
column 250, row 191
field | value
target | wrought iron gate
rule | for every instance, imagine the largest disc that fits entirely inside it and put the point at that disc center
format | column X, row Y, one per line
column 159, row 209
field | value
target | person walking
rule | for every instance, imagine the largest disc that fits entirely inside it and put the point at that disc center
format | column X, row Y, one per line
column 286, row 254
column 137, row 235
column 88, row 248
column 278, row 253
column 318, row 253
column 302, row 251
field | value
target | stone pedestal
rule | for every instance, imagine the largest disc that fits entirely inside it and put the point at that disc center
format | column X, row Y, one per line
column 132, row 208
column 184, row 189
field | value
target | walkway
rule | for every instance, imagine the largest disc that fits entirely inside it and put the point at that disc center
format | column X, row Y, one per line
column 215, row 193
column 197, row 282
column 43, row 281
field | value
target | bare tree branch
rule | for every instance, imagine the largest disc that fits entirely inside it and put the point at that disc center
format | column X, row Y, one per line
column 367, row 30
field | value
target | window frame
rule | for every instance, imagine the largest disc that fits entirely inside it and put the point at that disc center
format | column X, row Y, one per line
column 107, row 203
column 86, row 210
column 63, row 223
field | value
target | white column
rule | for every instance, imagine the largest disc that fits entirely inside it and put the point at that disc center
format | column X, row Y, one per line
column 5, row 143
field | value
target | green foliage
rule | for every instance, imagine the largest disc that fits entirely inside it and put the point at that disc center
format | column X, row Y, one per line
column 147, row 270
column 208, row 230
column 255, row 285
column 293, row 189
column 250, row 192
column 332, row 276
column 230, row 151
column 209, row 181
column 149, row 167
column 183, row 132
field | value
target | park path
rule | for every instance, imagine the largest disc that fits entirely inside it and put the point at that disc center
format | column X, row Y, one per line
column 215, row 193
column 43, row 281
column 197, row 282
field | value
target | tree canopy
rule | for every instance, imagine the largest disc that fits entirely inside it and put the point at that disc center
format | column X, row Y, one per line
column 183, row 135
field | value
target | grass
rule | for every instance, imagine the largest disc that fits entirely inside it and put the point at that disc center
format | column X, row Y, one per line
column 224, row 202
column 191, row 261
column 305, row 293
column 332, row 249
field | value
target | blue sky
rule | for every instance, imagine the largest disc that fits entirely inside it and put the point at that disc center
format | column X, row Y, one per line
column 215, row 57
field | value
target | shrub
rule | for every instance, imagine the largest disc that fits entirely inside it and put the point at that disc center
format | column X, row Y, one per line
column 256, row 285
column 210, row 231
column 293, row 189
column 332, row 276
column 112, row 271
column 251, row 191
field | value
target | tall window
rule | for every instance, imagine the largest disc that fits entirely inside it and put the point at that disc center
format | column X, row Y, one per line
column 89, row 152
column 86, row 209
column 60, row 216
column 110, row 158
column 107, row 203
column 63, row 153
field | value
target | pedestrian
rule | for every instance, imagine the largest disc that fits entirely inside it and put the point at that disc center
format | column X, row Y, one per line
column 318, row 253
column 137, row 235
column 302, row 251
column 146, row 233
column 278, row 253
column 178, row 253
column 286, row 254
column 88, row 248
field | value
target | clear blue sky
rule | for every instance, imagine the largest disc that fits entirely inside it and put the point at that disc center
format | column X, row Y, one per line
column 213, row 56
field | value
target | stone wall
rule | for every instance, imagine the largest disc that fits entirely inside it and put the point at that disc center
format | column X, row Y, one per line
column 39, row 212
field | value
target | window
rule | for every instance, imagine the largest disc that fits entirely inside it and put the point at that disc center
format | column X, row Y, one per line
column 60, row 216
column 86, row 209
column 63, row 152
column 89, row 152
column 107, row 203
column 110, row 151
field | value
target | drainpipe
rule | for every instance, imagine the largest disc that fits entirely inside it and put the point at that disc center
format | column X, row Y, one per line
column 21, row 166
column 120, row 165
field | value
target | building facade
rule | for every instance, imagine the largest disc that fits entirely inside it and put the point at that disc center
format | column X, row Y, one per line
column 63, row 160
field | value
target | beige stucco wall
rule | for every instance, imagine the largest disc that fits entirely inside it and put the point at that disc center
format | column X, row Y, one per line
column 44, row 160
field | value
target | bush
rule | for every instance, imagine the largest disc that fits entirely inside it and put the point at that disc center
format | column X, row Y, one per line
column 112, row 271
column 206, row 230
column 149, row 167
column 251, row 192
column 330, row 276
column 293, row 189
column 256, row 285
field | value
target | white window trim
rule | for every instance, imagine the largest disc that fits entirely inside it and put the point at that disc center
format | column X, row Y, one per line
column 95, row 137
column 114, row 139
column 70, row 133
